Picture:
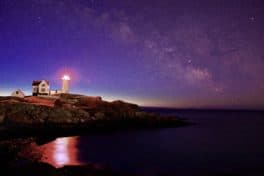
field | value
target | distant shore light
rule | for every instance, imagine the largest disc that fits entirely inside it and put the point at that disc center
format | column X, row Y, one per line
column 66, row 77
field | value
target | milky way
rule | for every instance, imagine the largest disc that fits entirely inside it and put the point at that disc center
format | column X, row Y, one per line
column 187, row 53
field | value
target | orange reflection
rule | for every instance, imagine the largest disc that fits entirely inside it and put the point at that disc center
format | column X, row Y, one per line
column 61, row 152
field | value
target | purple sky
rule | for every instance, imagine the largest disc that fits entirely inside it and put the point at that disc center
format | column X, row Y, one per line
column 178, row 53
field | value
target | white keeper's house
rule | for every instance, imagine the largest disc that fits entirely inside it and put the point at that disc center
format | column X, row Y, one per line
column 41, row 87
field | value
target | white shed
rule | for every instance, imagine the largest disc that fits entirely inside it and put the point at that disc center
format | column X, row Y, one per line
column 18, row 93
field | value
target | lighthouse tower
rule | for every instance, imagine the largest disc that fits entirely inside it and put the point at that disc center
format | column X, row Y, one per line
column 65, row 83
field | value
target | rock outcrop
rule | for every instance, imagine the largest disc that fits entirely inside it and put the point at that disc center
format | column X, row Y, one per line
column 76, row 111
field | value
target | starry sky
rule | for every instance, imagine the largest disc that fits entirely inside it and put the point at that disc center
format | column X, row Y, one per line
column 173, row 53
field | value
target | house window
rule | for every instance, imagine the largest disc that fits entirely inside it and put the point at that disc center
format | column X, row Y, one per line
column 17, row 92
column 43, row 85
column 43, row 90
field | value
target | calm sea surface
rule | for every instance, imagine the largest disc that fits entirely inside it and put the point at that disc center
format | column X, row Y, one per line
column 221, row 143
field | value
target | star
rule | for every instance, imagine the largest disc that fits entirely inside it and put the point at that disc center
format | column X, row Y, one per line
column 252, row 19
column 37, row 19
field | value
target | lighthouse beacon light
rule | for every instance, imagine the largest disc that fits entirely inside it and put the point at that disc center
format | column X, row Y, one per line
column 66, row 77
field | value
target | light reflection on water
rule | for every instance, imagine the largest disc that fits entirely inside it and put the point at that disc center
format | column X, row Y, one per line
column 60, row 152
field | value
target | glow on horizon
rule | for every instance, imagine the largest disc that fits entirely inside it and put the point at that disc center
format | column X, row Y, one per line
column 147, row 102
column 105, row 96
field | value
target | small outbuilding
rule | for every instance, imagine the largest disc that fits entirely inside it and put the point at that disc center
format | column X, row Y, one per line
column 18, row 93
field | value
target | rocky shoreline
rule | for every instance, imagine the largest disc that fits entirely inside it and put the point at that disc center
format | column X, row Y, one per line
column 69, row 113
column 33, row 120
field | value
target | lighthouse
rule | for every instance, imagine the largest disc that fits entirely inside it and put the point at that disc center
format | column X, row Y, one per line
column 65, row 83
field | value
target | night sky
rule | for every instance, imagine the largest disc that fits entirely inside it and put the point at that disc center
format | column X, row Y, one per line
column 176, row 53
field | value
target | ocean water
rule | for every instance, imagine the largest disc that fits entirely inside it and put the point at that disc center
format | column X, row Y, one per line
column 220, row 143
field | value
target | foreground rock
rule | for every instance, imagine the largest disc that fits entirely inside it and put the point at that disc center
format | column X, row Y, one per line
column 76, row 112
